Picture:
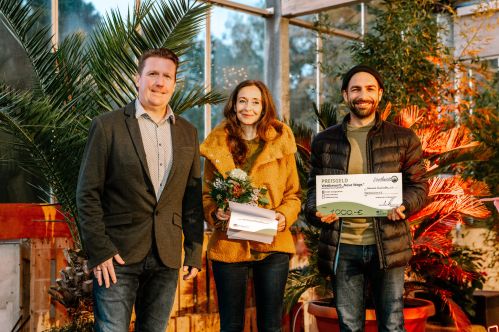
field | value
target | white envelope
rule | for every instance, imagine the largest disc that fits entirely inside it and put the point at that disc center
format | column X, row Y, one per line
column 252, row 223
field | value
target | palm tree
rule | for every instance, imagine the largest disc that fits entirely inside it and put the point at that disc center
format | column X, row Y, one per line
column 438, row 266
column 81, row 78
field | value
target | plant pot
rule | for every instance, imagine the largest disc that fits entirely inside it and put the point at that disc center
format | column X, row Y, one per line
column 416, row 311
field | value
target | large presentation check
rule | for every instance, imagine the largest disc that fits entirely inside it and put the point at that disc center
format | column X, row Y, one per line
column 359, row 195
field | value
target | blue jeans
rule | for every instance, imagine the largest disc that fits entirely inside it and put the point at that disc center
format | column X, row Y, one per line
column 269, row 279
column 150, row 285
column 358, row 266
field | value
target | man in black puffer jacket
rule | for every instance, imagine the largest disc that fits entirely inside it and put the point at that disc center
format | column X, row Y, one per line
column 358, row 251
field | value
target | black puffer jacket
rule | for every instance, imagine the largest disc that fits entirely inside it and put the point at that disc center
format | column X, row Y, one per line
column 390, row 149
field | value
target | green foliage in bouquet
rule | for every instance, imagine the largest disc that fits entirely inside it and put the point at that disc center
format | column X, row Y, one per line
column 236, row 187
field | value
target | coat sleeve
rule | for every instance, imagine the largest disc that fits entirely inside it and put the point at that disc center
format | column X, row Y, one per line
column 90, row 188
column 415, row 184
column 291, row 203
column 311, row 203
column 192, row 213
column 209, row 204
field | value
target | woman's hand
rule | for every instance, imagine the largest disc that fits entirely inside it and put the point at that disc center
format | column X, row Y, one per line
column 222, row 215
column 327, row 218
column 222, row 219
column 281, row 221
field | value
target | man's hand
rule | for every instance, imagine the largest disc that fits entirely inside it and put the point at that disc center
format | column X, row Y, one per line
column 105, row 271
column 327, row 218
column 281, row 221
column 190, row 271
column 396, row 213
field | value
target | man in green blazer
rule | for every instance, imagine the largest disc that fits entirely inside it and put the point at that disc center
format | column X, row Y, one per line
column 139, row 191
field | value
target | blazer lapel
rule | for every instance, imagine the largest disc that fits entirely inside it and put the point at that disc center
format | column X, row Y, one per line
column 176, row 137
column 134, row 130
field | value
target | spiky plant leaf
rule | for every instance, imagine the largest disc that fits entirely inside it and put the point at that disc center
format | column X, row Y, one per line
column 408, row 116
column 74, row 82
column 34, row 126
column 326, row 115
column 386, row 112
column 117, row 43
column 19, row 18
column 302, row 133
column 182, row 100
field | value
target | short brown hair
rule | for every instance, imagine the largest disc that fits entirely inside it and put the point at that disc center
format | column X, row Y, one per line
column 157, row 53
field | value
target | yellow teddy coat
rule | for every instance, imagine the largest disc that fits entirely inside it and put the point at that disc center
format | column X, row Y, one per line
column 274, row 168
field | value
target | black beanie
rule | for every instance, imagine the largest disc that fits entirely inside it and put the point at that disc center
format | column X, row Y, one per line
column 358, row 69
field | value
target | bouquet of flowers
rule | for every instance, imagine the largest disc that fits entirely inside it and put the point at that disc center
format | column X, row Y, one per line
column 236, row 187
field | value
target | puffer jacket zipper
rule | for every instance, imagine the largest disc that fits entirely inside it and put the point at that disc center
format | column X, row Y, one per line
column 376, row 221
column 337, row 255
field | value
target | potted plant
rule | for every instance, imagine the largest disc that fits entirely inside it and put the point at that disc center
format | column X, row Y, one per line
column 72, row 82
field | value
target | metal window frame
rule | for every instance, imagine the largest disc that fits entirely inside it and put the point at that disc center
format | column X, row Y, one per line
column 266, row 13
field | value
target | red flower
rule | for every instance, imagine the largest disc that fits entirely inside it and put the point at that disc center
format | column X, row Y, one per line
column 237, row 190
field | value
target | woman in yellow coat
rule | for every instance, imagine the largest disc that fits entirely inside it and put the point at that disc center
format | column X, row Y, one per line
column 251, row 138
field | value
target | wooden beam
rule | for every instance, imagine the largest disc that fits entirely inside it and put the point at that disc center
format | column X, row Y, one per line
column 242, row 8
column 293, row 8
column 328, row 31
column 276, row 58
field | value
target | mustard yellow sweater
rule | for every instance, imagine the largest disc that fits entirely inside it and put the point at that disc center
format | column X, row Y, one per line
column 274, row 168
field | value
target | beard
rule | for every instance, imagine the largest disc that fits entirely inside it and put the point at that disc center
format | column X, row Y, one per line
column 362, row 112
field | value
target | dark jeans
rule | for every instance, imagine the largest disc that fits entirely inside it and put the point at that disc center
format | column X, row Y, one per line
column 269, row 278
column 149, row 285
column 358, row 266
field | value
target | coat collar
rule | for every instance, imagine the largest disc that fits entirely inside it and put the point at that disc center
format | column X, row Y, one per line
column 377, row 122
column 134, row 131
column 277, row 146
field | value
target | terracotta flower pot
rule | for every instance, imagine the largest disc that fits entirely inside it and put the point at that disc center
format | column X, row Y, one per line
column 416, row 311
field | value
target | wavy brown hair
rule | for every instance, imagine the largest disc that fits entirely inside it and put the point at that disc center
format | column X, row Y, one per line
column 268, row 118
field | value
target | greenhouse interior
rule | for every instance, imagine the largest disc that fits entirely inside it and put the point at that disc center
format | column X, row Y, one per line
column 71, row 72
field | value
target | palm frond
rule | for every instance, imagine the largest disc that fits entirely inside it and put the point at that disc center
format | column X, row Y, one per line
column 471, row 206
column 436, row 142
column 298, row 282
column 174, row 24
column 182, row 100
column 303, row 164
column 20, row 19
column 302, row 133
column 435, row 242
column 327, row 115
column 117, row 43
column 386, row 112
column 73, row 89
column 408, row 116
column 34, row 125
column 112, row 56
column 450, row 199
column 444, row 186
column 474, row 187
column 461, row 321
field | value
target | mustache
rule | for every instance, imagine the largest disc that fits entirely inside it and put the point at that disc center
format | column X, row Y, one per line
column 358, row 101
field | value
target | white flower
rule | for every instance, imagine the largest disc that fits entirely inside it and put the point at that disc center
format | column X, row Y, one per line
column 218, row 184
column 238, row 174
